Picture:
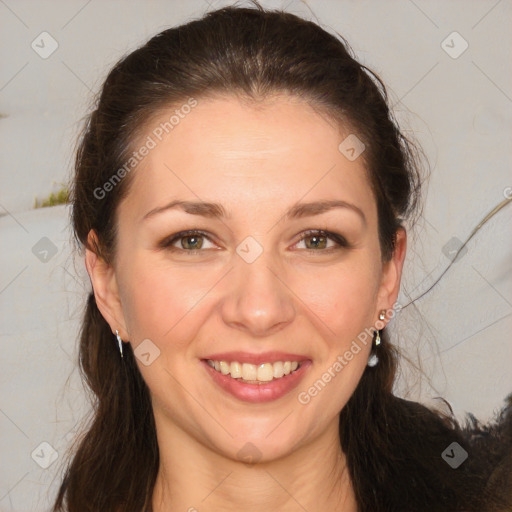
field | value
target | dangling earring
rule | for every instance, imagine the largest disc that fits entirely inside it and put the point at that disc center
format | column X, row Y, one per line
column 374, row 359
column 120, row 342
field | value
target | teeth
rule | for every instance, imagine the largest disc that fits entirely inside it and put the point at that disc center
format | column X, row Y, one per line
column 278, row 370
column 224, row 367
column 236, row 370
column 264, row 372
column 249, row 371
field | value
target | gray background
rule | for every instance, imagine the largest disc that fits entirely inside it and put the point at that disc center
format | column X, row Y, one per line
column 459, row 109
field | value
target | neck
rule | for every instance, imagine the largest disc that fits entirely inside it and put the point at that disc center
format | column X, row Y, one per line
column 192, row 477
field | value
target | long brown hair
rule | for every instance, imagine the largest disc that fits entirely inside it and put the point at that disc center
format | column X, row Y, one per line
column 393, row 447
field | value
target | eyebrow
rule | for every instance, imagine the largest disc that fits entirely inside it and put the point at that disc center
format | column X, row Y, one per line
column 216, row 210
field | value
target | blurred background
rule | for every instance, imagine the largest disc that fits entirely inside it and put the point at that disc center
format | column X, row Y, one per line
column 447, row 66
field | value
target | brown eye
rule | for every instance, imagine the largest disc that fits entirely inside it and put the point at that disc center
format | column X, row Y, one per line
column 317, row 240
column 186, row 241
column 192, row 242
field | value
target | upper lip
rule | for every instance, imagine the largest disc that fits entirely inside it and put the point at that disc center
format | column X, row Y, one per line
column 264, row 357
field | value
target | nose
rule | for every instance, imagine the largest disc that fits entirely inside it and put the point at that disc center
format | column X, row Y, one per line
column 258, row 300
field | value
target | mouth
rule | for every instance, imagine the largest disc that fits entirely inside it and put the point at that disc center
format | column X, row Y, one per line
column 252, row 373
column 256, row 383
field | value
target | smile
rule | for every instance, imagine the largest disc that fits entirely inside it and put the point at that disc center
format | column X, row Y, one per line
column 252, row 373
column 259, row 383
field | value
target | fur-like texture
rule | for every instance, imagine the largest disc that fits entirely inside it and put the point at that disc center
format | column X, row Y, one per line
column 419, row 479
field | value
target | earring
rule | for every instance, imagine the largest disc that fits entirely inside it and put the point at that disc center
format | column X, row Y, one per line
column 382, row 317
column 374, row 358
column 120, row 342
column 377, row 338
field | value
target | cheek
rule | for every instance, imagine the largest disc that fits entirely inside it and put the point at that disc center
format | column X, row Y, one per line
column 155, row 299
column 163, row 301
column 343, row 297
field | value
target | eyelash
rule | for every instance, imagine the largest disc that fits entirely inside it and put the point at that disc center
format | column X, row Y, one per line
column 338, row 239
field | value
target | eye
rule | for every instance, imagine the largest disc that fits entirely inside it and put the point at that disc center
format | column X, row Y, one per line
column 320, row 238
column 191, row 241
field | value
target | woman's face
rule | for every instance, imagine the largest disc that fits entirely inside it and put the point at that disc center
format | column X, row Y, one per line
column 252, row 286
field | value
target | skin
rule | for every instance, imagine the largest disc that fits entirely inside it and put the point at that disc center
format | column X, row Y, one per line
column 257, row 161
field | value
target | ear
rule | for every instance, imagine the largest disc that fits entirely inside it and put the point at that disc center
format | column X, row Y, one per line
column 104, row 284
column 392, row 274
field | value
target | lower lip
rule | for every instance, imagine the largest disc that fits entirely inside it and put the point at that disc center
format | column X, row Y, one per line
column 258, row 393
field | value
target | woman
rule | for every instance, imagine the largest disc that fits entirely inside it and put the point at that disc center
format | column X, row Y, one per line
column 241, row 192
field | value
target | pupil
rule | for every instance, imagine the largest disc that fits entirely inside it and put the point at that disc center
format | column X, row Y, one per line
column 317, row 238
column 194, row 241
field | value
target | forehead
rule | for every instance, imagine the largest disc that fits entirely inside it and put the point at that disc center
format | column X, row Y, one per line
column 246, row 154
